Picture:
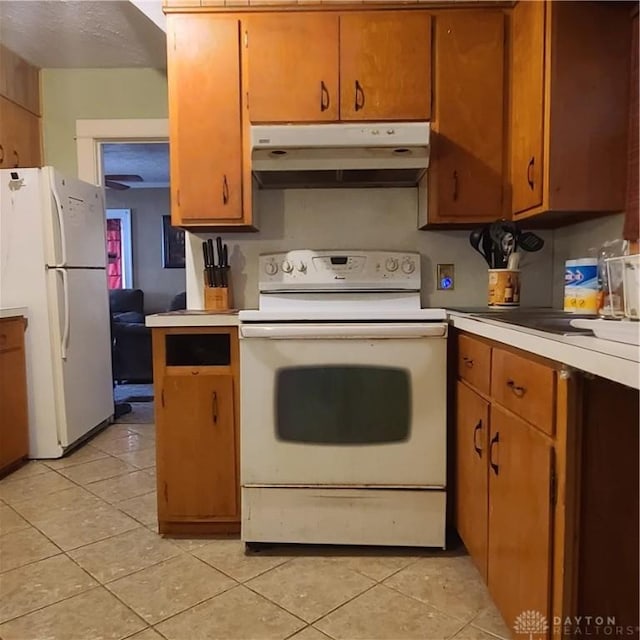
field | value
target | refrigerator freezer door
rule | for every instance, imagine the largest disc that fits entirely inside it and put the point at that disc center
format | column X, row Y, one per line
column 75, row 221
column 81, row 340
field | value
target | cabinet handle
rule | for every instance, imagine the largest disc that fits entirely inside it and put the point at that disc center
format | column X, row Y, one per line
column 325, row 100
column 476, row 429
column 517, row 390
column 1, row 154
column 455, row 186
column 494, row 440
column 468, row 361
column 530, row 172
column 225, row 190
column 359, row 101
column 16, row 162
column 214, row 407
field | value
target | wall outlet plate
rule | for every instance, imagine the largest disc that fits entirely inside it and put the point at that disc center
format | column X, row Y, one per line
column 445, row 277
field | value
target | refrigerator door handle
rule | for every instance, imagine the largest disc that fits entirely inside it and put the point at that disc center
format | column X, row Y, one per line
column 64, row 344
column 63, row 239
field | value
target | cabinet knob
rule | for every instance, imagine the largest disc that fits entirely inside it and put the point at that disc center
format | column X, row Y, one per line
column 517, row 390
column 325, row 99
column 359, row 97
column 468, row 361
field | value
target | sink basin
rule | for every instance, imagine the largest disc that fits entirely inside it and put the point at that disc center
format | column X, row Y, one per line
column 548, row 320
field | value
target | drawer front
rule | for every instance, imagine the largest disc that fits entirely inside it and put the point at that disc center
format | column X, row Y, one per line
column 474, row 362
column 11, row 334
column 525, row 387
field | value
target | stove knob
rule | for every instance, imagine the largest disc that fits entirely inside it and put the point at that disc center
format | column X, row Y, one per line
column 391, row 264
column 302, row 267
column 287, row 267
column 271, row 268
column 408, row 266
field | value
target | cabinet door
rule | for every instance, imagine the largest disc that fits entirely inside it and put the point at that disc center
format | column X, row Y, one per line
column 293, row 67
column 196, row 447
column 519, row 562
column 527, row 109
column 14, row 424
column 205, row 119
column 469, row 92
column 472, row 482
column 19, row 136
column 385, row 66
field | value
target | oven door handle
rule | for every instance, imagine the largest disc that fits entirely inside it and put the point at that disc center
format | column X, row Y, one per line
column 351, row 331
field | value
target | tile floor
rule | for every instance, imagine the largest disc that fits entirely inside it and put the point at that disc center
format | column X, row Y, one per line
column 80, row 559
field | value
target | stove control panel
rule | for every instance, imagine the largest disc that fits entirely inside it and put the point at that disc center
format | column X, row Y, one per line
column 305, row 268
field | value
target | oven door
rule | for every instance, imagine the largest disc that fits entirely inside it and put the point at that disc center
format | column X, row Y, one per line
column 343, row 404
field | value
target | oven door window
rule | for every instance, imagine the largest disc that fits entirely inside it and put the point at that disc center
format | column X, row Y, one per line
column 343, row 404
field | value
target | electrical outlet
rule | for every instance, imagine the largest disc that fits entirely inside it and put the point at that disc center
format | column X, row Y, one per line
column 445, row 277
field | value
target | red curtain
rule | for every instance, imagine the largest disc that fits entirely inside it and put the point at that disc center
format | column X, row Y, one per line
column 114, row 254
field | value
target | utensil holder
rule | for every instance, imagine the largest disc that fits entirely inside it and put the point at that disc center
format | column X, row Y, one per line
column 217, row 298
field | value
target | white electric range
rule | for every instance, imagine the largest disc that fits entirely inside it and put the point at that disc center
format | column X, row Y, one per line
column 343, row 402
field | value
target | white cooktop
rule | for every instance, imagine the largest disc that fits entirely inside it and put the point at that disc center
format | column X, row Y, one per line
column 345, row 314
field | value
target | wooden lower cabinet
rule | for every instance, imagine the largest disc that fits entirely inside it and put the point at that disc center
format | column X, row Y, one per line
column 520, row 518
column 14, row 422
column 196, row 390
column 472, row 431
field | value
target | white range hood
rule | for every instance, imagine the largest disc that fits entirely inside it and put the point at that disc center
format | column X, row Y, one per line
column 386, row 154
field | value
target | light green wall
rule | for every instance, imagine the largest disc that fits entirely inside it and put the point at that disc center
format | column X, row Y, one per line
column 76, row 94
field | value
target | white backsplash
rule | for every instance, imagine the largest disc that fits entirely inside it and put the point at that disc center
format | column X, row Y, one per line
column 361, row 219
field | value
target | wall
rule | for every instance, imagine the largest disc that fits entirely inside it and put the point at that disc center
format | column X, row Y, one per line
column 72, row 94
column 360, row 219
column 147, row 208
column 575, row 241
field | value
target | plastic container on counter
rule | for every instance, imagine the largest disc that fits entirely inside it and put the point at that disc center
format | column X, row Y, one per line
column 581, row 286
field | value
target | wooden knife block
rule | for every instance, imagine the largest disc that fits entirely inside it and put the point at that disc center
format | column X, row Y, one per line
column 217, row 298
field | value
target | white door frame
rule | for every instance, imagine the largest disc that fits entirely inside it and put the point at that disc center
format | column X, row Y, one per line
column 90, row 133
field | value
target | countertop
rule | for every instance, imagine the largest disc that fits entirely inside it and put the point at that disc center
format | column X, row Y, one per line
column 13, row 312
column 193, row 318
column 612, row 360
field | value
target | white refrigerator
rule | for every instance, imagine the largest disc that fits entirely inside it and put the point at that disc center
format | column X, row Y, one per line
column 53, row 262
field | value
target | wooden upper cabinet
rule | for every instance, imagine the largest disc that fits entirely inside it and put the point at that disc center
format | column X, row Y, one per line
column 205, row 119
column 293, row 67
column 527, row 108
column 19, row 136
column 569, row 109
column 466, row 175
column 385, row 66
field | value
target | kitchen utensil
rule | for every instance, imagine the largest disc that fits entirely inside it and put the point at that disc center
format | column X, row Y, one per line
column 513, row 262
column 215, row 279
column 475, row 239
column 487, row 247
column 529, row 241
column 224, row 266
column 208, row 264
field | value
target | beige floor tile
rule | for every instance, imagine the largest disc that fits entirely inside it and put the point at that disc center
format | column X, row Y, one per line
column 146, row 429
column 376, row 567
column 95, row 615
column 143, row 508
column 384, row 614
column 168, row 588
column 449, row 583
column 151, row 471
column 89, row 525
column 237, row 614
column 112, row 432
column 68, row 503
column 310, row 634
column 142, row 459
column 123, row 487
column 124, row 554
column 190, row 544
column 40, row 584
column 42, row 484
column 97, row 470
column 130, row 442
column 86, row 453
column 24, row 546
column 147, row 634
column 310, row 587
column 490, row 620
column 471, row 633
column 228, row 556
column 10, row 520
column 28, row 470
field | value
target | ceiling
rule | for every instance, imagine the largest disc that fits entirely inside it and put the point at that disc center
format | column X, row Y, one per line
column 83, row 33
column 149, row 160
